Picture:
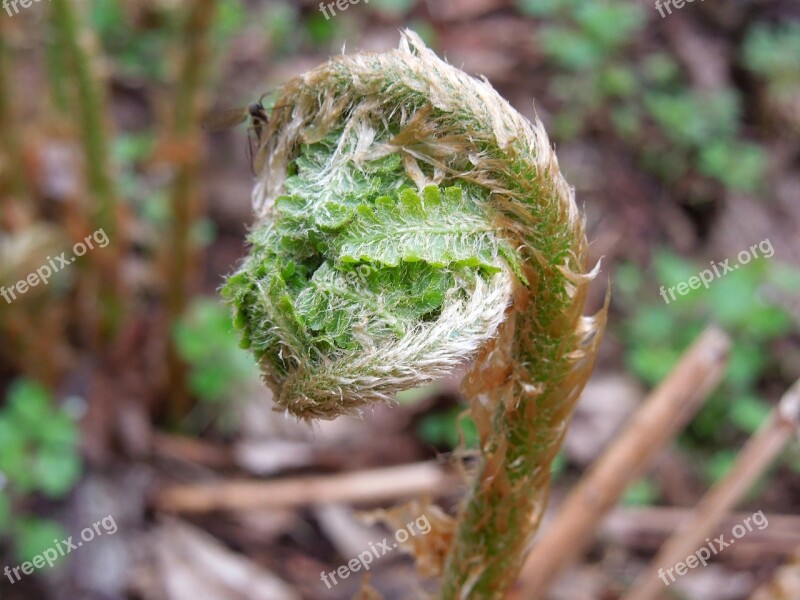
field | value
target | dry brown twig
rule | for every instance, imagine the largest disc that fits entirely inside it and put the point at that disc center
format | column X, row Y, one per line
column 362, row 486
column 646, row 529
column 754, row 459
column 667, row 410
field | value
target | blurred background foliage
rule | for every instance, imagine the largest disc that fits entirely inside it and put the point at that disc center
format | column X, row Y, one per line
column 680, row 135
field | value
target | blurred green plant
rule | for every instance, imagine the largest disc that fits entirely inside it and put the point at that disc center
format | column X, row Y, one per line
column 702, row 128
column 231, row 16
column 320, row 30
column 280, row 22
column 585, row 44
column 137, row 40
column 393, row 8
column 655, row 335
column 38, row 455
column 601, row 80
column 207, row 342
column 136, row 51
column 771, row 52
column 642, row 492
column 590, row 36
column 130, row 151
column 443, row 429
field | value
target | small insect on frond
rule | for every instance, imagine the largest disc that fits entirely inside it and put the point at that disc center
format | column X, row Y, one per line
column 219, row 120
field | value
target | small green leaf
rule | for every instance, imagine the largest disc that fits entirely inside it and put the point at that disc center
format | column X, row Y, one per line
column 33, row 536
column 660, row 68
column 738, row 165
column 207, row 342
column 618, row 81
column 610, row 25
column 719, row 465
column 56, row 472
column 628, row 280
column 432, row 196
column 395, row 8
column 405, row 230
column 569, row 49
column 652, row 364
column 642, row 492
column 5, row 511
column 652, row 325
column 29, row 403
column 748, row 413
column 772, row 50
column 733, row 297
column 559, row 465
column 671, row 269
column 745, row 364
column 443, row 428
column 57, row 431
column 543, row 8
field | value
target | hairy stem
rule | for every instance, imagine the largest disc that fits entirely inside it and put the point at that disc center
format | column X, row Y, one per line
column 400, row 164
column 522, row 390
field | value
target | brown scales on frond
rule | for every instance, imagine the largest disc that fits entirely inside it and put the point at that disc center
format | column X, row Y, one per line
column 532, row 349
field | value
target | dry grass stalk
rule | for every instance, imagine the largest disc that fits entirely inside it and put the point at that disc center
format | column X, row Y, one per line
column 751, row 463
column 662, row 415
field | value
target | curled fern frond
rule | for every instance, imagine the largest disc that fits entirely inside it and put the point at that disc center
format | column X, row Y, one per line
column 411, row 220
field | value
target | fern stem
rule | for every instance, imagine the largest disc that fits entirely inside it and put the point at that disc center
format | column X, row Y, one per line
column 12, row 175
column 400, row 162
column 75, row 41
column 79, row 44
column 181, row 266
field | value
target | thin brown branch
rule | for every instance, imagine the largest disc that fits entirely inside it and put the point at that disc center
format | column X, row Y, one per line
column 362, row 486
column 754, row 459
column 667, row 410
column 192, row 450
column 646, row 529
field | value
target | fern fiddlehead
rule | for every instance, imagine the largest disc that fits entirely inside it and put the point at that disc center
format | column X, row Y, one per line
column 411, row 220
